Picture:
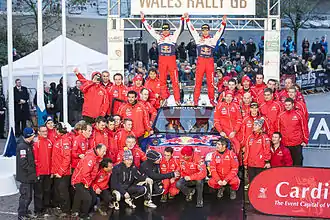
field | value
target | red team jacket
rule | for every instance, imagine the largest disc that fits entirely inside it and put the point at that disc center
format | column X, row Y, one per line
column 281, row 157
column 257, row 150
column 120, row 137
column 80, row 145
column 102, row 180
column 87, row 169
column 194, row 168
column 271, row 110
column 224, row 166
column 51, row 134
column 138, row 156
column 227, row 117
column 117, row 96
column 42, row 150
column 61, row 156
column 247, row 127
column 169, row 166
column 150, row 109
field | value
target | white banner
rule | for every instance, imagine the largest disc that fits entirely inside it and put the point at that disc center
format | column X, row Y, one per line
column 198, row 7
column 272, row 55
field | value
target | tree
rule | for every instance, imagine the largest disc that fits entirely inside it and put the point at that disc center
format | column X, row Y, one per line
column 298, row 12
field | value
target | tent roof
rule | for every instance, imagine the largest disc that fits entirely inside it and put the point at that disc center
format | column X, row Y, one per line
column 77, row 56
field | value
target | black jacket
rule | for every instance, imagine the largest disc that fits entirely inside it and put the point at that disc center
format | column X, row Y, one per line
column 122, row 177
column 153, row 54
column 25, row 166
column 152, row 170
column 76, row 99
column 22, row 111
column 192, row 49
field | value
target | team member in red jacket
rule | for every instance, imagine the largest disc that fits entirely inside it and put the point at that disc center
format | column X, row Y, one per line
column 193, row 172
column 281, row 156
column 80, row 145
column 100, row 135
column 228, row 120
column 137, row 84
column 153, row 84
column 111, row 137
column 96, row 102
column 294, row 129
column 246, row 87
column 106, row 83
column 284, row 93
column 270, row 108
column 42, row 150
column 123, row 133
column 272, row 85
column 257, row 151
column 224, row 169
column 144, row 97
column 245, row 107
column 138, row 113
column 117, row 94
column 51, row 131
column 298, row 105
column 260, row 86
column 61, row 160
column 100, row 186
column 138, row 155
column 169, row 164
column 82, row 179
column 237, row 97
column 118, row 122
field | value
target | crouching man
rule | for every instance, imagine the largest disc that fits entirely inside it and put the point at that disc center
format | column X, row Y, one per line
column 151, row 169
column 224, row 168
column 128, row 183
column 193, row 172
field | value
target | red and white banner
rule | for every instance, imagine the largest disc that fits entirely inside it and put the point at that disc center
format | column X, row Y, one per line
column 291, row 191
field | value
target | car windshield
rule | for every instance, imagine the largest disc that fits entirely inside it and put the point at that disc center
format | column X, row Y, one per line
column 185, row 120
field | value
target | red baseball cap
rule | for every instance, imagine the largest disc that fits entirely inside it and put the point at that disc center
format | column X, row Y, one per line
column 229, row 92
column 226, row 78
column 187, row 151
column 138, row 77
column 246, row 78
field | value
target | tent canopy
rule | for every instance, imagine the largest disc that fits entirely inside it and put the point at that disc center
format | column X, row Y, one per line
column 78, row 55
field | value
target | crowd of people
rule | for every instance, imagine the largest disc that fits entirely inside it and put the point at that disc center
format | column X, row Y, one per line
column 100, row 162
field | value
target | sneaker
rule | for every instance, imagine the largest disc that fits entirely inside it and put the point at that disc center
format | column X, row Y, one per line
column 163, row 199
column 220, row 192
column 103, row 213
column 232, row 194
column 116, row 205
column 63, row 215
column 116, row 195
column 200, row 204
column 75, row 215
column 130, row 203
column 111, row 205
column 31, row 215
column 190, row 195
column 246, row 188
column 150, row 204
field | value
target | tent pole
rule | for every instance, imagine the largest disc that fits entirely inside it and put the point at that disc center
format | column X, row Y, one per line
column 65, row 80
column 41, row 69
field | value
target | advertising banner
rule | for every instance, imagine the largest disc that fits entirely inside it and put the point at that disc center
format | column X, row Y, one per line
column 200, row 7
column 292, row 191
column 319, row 133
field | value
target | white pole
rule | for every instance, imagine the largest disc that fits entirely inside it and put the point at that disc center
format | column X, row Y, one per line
column 40, row 44
column 10, row 65
column 65, row 80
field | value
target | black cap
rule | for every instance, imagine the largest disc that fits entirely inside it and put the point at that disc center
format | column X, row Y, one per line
column 205, row 27
column 254, row 105
column 166, row 27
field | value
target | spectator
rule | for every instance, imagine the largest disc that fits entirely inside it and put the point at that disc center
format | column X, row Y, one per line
column 76, row 100
column 261, row 46
column 251, row 49
column 289, row 46
column 293, row 126
column 242, row 48
column 305, row 45
column 224, row 168
column 223, row 48
column 281, row 156
column 192, row 51
column 2, row 115
column 182, row 54
column 222, row 61
column 316, row 45
column 153, row 53
column 25, row 172
column 319, row 58
column 21, row 107
column 324, row 44
column 232, row 49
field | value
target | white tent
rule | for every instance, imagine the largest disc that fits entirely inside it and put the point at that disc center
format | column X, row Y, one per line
column 27, row 68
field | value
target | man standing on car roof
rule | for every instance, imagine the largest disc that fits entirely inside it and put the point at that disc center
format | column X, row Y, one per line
column 167, row 58
column 205, row 61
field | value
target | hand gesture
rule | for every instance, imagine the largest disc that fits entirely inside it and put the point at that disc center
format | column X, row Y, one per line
column 75, row 70
column 232, row 134
column 186, row 15
column 224, row 18
column 303, row 144
column 57, row 175
column 223, row 134
column 176, row 174
column 267, row 165
column 81, row 156
column 98, row 191
column 142, row 15
column 187, row 178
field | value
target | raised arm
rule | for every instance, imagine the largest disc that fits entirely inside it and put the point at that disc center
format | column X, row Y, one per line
column 149, row 28
column 191, row 28
column 179, row 31
column 221, row 30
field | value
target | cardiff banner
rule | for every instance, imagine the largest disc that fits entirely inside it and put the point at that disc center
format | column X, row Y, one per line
column 199, row 7
column 292, row 191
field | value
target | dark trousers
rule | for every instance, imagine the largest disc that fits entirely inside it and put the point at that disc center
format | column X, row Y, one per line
column 105, row 197
column 253, row 172
column 74, row 117
column 19, row 126
column 2, row 125
column 62, row 193
column 82, row 200
column 186, row 187
column 25, row 190
column 89, row 120
column 296, row 154
column 42, row 193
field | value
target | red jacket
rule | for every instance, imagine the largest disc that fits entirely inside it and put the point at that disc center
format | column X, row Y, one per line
column 113, row 148
column 51, row 135
column 247, row 127
column 257, row 150
column 261, row 98
column 237, row 98
column 96, row 101
column 42, row 150
column 72, row 135
column 281, row 157
column 169, row 166
column 245, row 110
column 224, row 166
column 195, row 168
column 150, row 109
column 120, row 137
column 102, row 180
column 99, row 137
column 80, row 145
column 242, row 91
column 154, row 86
column 117, row 96
column 271, row 110
column 284, row 94
column 227, row 117
column 301, row 106
column 139, row 116
column 138, row 156
column 293, row 128
column 87, row 169
column 81, row 78
column 61, row 156
column 258, row 89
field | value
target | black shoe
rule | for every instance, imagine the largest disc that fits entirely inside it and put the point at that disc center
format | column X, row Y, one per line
column 200, row 204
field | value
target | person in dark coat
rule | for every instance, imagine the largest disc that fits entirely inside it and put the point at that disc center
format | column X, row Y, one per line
column 153, row 53
column 21, row 107
column 25, row 172
column 2, row 115
column 223, row 48
column 251, row 49
column 76, row 100
column 182, row 52
column 192, row 51
column 232, row 49
column 316, row 45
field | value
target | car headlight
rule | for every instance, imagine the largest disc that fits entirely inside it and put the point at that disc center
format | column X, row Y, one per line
column 208, row 157
column 155, row 142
